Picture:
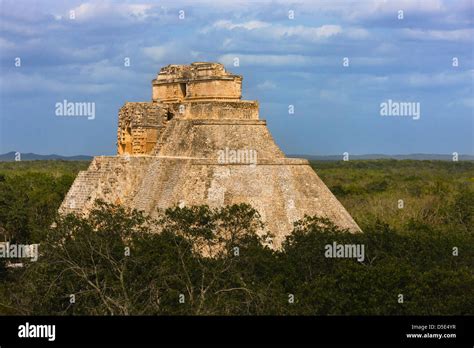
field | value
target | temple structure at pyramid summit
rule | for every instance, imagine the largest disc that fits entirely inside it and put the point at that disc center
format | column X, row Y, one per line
column 198, row 143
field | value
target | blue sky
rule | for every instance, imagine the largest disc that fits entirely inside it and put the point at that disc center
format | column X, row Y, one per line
column 284, row 62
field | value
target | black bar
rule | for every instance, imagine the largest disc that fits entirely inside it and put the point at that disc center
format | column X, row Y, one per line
column 258, row 330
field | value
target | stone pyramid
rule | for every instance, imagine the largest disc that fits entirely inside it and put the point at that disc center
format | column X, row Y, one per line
column 198, row 143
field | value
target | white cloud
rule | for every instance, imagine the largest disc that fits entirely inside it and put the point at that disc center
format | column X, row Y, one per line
column 465, row 102
column 308, row 33
column 5, row 44
column 357, row 33
column 405, row 80
column 265, row 59
column 372, row 80
column 333, row 95
column 301, row 60
column 227, row 43
column 106, row 9
column 266, row 85
column 106, row 71
column 387, row 48
column 250, row 25
column 356, row 10
column 443, row 35
column 468, row 102
column 275, row 31
column 440, row 79
column 371, row 61
column 176, row 52
column 20, row 83
column 88, row 53
column 278, row 31
column 139, row 10
column 18, row 28
column 156, row 53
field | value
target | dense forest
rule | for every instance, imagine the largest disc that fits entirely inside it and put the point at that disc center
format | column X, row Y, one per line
column 417, row 218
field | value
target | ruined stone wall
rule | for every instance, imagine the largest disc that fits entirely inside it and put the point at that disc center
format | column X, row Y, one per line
column 209, row 88
column 215, row 89
column 206, row 109
column 176, row 83
column 143, row 140
column 171, row 92
column 138, row 127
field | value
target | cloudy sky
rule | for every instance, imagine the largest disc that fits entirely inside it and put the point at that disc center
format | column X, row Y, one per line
column 289, row 52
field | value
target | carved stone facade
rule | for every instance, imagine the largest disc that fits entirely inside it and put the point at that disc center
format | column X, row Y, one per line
column 138, row 127
column 191, row 145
